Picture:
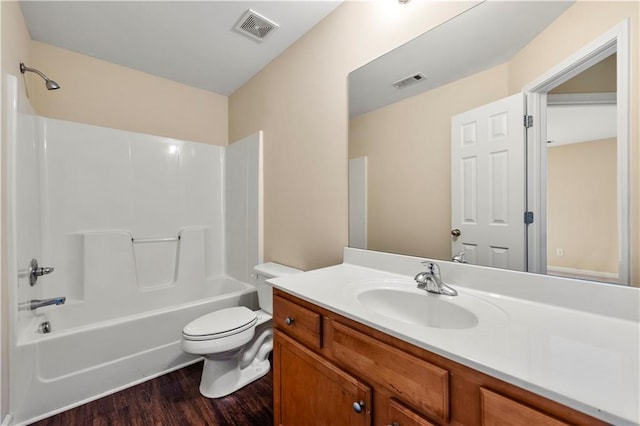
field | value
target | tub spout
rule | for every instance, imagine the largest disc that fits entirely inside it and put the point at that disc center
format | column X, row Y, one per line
column 38, row 303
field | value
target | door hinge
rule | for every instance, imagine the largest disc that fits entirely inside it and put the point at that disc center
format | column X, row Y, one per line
column 528, row 218
column 528, row 121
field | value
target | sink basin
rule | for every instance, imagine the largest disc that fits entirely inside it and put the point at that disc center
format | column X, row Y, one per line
column 421, row 309
column 400, row 300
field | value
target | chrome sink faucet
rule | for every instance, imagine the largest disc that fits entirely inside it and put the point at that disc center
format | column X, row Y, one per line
column 431, row 281
column 460, row 257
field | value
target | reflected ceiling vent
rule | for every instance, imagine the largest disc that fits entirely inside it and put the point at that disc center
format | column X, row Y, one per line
column 409, row 81
column 255, row 26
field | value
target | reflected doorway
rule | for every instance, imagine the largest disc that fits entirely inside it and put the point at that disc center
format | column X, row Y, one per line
column 582, row 229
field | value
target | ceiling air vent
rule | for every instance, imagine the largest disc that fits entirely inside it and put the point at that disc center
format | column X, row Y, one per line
column 255, row 26
column 409, row 81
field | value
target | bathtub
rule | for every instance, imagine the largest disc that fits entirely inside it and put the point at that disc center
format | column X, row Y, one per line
column 82, row 359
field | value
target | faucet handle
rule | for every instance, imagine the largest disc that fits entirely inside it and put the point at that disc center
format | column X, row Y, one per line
column 36, row 271
column 434, row 269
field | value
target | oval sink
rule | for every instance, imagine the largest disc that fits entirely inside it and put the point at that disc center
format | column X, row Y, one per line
column 422, row 309
column 400, row 300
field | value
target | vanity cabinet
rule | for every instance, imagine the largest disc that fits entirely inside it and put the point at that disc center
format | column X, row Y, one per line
column 330, row 370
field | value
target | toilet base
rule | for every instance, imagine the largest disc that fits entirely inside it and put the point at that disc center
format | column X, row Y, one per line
column 227, row 371
column 221, row 378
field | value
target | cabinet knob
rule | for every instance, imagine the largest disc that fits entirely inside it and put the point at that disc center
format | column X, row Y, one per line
column 289, row 320
column 358, row 406
column 394, row 424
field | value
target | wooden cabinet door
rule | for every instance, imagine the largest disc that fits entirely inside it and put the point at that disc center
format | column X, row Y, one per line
column 310, row 391
column 419, row 383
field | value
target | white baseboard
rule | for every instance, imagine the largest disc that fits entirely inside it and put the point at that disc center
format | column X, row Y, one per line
column 7, row 421
column 582, row 272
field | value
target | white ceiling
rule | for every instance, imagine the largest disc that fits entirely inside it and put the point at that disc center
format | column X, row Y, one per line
column 191, row 42
column 487, row 35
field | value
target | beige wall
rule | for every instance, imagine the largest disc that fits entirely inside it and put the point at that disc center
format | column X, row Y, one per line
column 105, row 94
column 300, row 101
column 598, row 78
column 578, row 26
column 408, row 145
column 581, row 206
column 15, row 47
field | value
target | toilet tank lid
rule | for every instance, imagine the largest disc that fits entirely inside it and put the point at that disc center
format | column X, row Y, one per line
column 272, row 270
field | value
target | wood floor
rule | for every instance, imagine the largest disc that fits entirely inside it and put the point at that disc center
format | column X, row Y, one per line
column 174, row 399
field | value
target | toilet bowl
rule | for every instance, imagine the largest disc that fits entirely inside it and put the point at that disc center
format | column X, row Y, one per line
column 235, row 342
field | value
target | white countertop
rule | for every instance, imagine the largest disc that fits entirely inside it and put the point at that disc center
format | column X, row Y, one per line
column 585, row 360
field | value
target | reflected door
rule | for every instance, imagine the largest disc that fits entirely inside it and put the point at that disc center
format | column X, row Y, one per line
column 488, row 184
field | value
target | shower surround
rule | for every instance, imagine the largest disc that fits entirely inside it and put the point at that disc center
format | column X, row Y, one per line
column 145, row 234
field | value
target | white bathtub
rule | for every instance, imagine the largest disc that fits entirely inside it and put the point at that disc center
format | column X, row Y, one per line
column 82, row 360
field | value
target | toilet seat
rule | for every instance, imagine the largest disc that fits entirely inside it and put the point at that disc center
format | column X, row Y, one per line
column 220, row 324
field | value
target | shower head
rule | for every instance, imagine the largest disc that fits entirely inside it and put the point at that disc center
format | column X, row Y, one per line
column 50, row 84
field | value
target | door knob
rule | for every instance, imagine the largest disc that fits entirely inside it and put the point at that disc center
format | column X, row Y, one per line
column 455, row 232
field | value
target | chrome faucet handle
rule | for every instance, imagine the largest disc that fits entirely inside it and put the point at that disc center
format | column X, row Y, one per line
column 36, row 271
column 432, row 282
column 430, row 279
column 434, row 269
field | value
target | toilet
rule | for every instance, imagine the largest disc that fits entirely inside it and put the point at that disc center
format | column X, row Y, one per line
column 235, row 342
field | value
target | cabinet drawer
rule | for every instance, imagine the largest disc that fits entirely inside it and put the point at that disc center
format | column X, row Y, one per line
column 399, row 415
column 499, row 410
column 298, row 322
column 419, row 383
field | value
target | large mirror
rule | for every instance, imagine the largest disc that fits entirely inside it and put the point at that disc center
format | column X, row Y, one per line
column 411, row 191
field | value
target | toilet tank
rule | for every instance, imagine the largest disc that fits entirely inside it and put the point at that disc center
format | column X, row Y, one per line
column 263, row 272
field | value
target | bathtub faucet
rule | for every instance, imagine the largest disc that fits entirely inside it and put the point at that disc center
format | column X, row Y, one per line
column 38, row 303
